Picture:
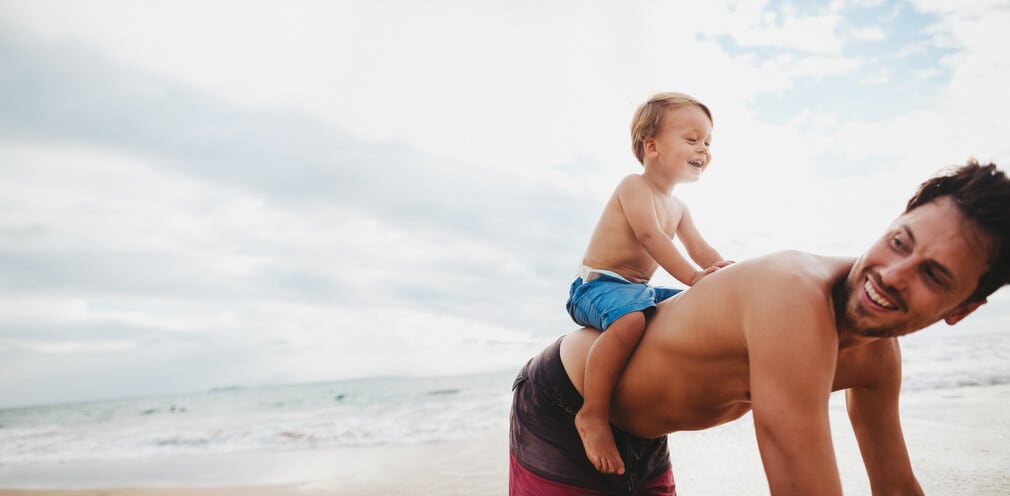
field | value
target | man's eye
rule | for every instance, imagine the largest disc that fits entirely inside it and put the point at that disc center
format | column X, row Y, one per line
column 932, row 276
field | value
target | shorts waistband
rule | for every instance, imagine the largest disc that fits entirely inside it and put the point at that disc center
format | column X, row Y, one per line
column 588, row 273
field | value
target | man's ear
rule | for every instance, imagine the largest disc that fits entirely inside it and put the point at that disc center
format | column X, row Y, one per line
column 962, row 311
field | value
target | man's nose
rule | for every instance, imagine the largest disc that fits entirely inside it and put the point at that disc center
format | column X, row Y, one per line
column 896, row 274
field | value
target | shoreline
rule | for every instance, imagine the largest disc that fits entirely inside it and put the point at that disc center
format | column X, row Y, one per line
column 957, row 439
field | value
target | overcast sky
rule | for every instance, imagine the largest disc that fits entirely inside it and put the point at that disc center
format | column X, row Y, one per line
column 208, row 193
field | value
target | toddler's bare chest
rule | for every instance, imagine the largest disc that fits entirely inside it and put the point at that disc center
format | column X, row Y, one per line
column 668, row 213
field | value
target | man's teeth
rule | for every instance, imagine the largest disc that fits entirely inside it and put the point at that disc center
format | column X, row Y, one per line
column 877, row 298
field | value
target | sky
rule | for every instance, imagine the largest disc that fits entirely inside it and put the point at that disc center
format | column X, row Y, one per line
column 200, row 194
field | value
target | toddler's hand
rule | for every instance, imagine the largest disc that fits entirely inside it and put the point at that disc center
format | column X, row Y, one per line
column 710, row 269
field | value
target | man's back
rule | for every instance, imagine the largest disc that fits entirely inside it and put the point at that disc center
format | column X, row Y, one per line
column 694, row 357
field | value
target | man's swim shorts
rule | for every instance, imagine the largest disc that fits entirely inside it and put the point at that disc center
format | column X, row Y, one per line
column 547, row 456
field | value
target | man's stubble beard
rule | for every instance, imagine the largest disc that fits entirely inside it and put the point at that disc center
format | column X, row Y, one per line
column 848, row 313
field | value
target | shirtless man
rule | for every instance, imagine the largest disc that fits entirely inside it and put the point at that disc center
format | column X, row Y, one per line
column 776, row 335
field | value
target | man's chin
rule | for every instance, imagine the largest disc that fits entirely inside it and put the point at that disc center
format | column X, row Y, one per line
column 860, row 324
column 878, row 333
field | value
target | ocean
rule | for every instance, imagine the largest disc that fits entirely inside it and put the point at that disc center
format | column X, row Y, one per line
column 374, row 411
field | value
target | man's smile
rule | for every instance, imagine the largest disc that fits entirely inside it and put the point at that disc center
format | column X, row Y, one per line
column 878, row 298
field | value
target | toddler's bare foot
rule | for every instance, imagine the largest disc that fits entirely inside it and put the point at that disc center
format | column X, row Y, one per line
column 598, row 440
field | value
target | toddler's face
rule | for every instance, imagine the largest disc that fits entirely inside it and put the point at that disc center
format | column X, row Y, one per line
column 682, row 146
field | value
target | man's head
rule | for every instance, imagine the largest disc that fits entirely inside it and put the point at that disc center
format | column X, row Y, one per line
column 939, row 260
column 649, row 117
column 982, row 193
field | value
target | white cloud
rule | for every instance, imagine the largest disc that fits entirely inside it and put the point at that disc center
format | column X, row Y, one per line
column 871, row 33
column 755, row 26
column 812, row 67
column 74, row 347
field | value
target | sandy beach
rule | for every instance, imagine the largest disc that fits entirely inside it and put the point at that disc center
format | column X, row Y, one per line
column 211, row 491
column 472, row 467
column 958, row 440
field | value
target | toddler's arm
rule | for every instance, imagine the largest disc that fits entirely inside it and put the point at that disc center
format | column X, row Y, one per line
column 636, row 200
column 698, row 249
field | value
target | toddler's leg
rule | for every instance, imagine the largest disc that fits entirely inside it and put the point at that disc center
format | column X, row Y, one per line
column 606, row 359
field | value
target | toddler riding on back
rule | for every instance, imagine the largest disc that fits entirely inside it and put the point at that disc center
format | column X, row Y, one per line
column 671, row 134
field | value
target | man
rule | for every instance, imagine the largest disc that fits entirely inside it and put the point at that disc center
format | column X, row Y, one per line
column 776, row 335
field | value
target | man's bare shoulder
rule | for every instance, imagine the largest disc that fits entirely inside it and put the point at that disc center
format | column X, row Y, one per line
column 795, row 265
column 776, row 285
column 786, row 279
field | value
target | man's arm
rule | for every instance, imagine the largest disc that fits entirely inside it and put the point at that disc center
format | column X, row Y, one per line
column 873, row 411
column 793, row 346
column 640, row 211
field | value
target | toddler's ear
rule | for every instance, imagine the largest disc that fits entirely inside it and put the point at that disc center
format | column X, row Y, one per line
column 649, row 146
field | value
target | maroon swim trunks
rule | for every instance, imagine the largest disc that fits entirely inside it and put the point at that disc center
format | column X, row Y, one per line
column 547, row 456
column 522, row 482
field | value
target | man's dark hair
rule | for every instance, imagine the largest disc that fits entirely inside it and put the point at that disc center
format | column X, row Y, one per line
column 982, row 192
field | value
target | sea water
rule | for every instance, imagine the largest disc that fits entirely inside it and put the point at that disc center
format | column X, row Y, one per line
column 374, row 411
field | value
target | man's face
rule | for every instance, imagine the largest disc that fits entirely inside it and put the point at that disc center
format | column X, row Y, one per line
column 922, row 270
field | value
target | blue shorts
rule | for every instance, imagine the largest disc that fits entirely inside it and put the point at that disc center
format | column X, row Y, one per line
column 601, row 301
